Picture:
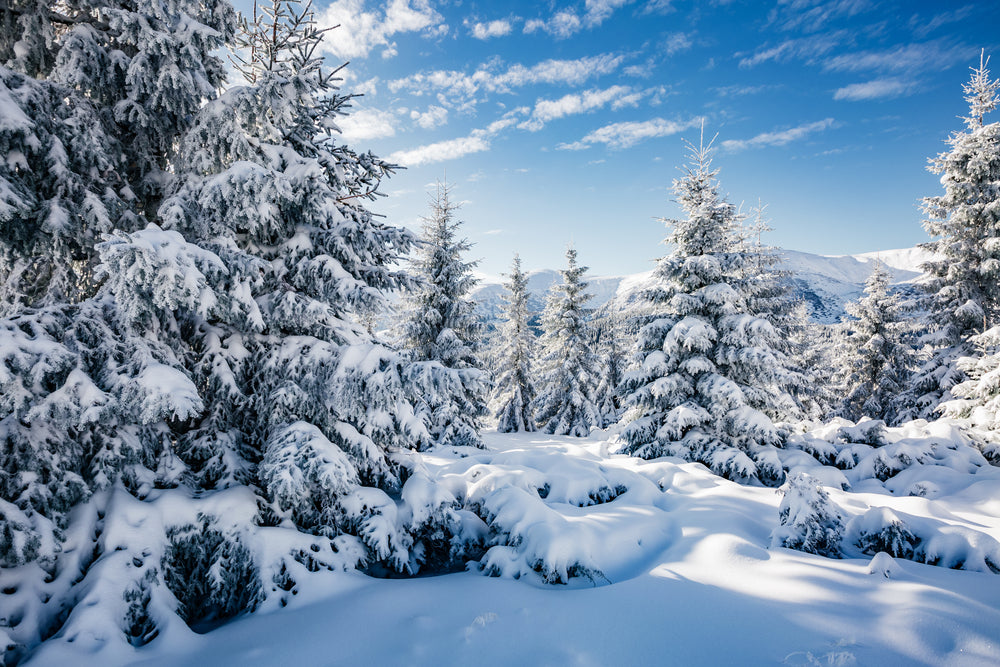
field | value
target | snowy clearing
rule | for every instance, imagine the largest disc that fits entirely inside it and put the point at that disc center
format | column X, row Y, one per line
column 682, row 575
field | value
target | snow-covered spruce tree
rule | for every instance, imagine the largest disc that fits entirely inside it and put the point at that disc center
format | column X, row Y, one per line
column 769, row 295
column 567, row 365
column 978, row 398
column 809, row 520
column 878, row 356
column 513, row 385
column 611, row 362
column 93, row 102
column 303, row 400
column 708, row 366
column 441, row 332
column 964, row 286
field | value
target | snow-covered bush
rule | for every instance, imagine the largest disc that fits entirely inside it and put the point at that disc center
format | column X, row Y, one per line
column 809, row 520
column 923, row 540
column 212, row 575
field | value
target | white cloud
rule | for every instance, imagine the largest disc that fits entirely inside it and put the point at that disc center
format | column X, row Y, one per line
column 485, row 31
column 576, row 103
column 440, row 151
column 476, row 142
column 627, row 134
column 362, row 28
column 461, row 89
column 492, row 232
column 778, row 138
column 871, row 90
column 367, row 124
column 433, row 117
column 366, row 87
column 562, row 25
column 566, row 23
column 599, row 10
column 677, row 42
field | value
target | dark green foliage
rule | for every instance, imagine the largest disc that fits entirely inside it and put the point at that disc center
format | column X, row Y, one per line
column 212, row 575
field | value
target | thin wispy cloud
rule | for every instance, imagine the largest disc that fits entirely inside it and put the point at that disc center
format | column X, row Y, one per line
column 906, row 57
column 806, row 49
column 815, row 15
column 923, row 27
column 619, row 136
column 871, row 90
column 778, row 138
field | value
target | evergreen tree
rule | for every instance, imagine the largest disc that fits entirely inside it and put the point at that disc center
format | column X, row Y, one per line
column 224, row 348
column 514, row 386
column 964, row 286
column 300, row 398
column 98, row 93
column 878, row 357
column 708, row 365
column 611, row 368
column 768, row 292
column 978, row 398
column 568, row 366
column 441, row 332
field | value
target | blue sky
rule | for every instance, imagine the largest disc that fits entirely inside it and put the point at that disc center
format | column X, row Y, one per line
column 565, row 121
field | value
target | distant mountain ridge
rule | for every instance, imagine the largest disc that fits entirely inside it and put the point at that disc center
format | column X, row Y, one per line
column 825, row 282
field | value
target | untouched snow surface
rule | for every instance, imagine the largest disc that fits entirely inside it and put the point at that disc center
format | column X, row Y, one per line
column 675, row 570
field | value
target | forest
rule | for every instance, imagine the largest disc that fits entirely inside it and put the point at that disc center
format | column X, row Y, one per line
column 227, row 387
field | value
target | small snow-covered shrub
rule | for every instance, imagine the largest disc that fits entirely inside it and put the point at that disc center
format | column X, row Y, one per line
column 881, row 530
column 810, row 521
column 139, row 626
column 870, row 432
column 212, row 575
column 923, row 540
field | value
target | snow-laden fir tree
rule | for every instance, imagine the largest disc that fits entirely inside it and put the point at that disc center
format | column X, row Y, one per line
column 809, row 520
column 611, row 361
column 222, row 361
column 709, row 368
column 877, row 356
column 305, row 403
column 964, row 277
column 978, row 398
column 513, row 384
column 441, row 331
column 769, row 295
column 567, row 366
column 94, row 100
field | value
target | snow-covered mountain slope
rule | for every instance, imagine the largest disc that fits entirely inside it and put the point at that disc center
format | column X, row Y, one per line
column 826, row 282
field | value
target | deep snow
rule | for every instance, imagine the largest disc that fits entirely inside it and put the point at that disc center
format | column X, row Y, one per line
column 678, row 570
